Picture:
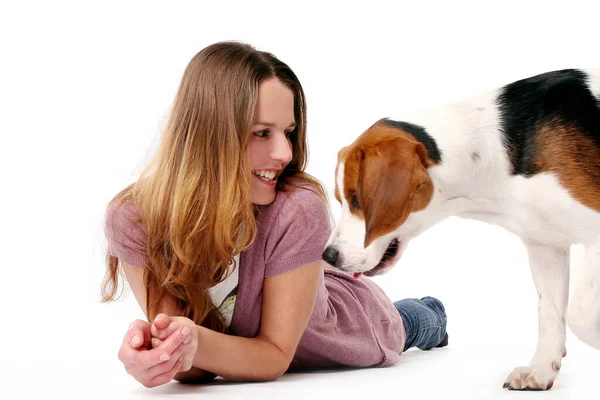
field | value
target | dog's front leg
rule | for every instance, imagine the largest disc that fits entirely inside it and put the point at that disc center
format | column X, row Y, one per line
column 550, row 270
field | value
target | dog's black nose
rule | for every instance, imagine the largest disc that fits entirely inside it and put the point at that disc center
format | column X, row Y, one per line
column 331, row 255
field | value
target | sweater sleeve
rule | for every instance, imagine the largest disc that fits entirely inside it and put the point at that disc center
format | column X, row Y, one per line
column 299, row 233
column 127, row 238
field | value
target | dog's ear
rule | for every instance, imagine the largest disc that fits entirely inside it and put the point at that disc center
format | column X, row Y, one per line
column 423, row 185
column 341, row 156
column 393, row 181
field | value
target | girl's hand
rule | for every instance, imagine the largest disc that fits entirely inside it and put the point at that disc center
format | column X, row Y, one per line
column 165, row 327
column 149, row 365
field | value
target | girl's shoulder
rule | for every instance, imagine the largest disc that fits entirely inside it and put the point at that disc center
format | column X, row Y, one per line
column 299, row 198
column 126, row 236
column 293, row 229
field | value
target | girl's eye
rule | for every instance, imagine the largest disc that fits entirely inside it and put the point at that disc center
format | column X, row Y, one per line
column 289, row 134
column 261, row 133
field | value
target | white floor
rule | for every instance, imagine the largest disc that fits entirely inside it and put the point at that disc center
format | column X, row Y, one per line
column 461, row 371
column 480, row 273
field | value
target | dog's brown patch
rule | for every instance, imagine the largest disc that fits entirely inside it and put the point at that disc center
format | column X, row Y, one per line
column 385, row 178
column 351, row 172
column 574, row 157
column 341, row 157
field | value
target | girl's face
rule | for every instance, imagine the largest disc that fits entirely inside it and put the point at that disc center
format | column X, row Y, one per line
column 270, row 148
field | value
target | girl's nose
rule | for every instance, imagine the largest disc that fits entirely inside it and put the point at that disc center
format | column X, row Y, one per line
column 282, row 149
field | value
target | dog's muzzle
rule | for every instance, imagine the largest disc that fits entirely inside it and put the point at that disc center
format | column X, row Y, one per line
column 331, row 255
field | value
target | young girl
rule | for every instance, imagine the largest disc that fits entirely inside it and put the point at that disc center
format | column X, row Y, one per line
column 221, row 238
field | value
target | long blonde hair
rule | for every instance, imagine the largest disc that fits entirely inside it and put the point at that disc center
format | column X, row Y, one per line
column 194, row 197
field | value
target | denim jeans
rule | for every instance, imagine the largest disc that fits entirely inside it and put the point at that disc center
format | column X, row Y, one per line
column 424, row 321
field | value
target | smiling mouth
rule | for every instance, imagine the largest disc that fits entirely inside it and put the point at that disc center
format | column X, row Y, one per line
column 386, row 260
column 267, row 176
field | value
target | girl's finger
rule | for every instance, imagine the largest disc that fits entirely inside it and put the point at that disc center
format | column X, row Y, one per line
column 136, row 337
column 137, row 332
column 150, row 358
column 161, row 330
column 175, row 339
column 161, row 321
column 156, row 342
column 167, row 376
column 166, row 366
column 133, row 342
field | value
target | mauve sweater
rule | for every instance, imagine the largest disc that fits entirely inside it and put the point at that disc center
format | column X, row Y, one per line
column 353, row 322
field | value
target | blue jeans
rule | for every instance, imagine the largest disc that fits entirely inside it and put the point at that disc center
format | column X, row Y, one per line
column 424, row 321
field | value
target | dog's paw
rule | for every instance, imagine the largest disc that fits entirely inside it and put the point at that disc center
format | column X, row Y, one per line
column 538, row 377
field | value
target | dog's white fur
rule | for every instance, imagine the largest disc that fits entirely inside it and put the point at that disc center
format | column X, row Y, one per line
column 538, row 209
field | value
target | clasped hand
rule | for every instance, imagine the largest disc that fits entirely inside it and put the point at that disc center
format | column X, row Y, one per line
column 154, row 353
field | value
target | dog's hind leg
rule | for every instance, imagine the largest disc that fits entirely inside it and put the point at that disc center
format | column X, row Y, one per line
column 550, row 270
column 584, row 309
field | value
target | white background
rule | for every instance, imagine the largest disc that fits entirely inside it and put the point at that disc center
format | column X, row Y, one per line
column 84, row 89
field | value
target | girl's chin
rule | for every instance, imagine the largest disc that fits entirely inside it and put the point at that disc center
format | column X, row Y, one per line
column 263, row 200
column 262, row 197
column 263, row 193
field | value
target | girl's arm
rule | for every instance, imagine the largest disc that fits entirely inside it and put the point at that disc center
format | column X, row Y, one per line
column 288, row 301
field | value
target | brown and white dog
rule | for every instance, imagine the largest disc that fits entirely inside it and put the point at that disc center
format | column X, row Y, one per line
column 525, row 156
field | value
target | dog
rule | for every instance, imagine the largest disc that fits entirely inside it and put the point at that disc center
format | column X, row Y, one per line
column 525, row 156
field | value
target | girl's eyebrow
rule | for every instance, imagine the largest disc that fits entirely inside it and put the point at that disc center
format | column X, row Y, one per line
column 270, row 124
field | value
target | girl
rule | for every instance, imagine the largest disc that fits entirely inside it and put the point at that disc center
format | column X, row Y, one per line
column 221, row 238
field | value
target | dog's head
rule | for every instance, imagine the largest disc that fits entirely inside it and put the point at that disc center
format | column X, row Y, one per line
column 381, row 179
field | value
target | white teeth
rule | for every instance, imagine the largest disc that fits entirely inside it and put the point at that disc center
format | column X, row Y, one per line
column 269, row 175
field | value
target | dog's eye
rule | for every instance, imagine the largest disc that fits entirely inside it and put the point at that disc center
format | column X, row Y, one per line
column 355, row 202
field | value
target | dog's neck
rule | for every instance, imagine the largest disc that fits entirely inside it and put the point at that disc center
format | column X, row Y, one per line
column 473, row 158
column 466, row 134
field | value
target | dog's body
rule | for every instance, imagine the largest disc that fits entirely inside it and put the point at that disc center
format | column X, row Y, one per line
column 525, row 157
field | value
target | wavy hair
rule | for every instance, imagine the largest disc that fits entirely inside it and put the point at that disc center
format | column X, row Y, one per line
column 194, row 196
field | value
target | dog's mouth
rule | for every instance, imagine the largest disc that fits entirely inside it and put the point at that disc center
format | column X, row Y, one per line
column 386, row 260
